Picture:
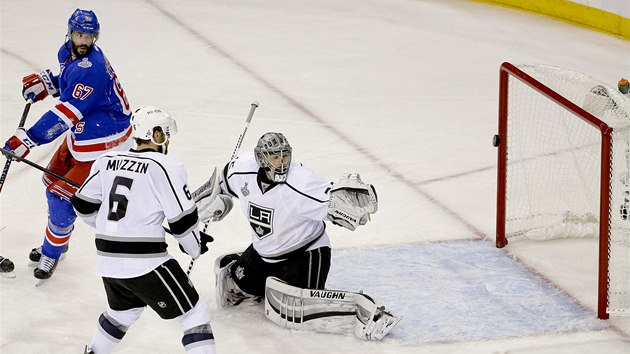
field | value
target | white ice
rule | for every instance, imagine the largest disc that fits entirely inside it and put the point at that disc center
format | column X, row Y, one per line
column 404, row 92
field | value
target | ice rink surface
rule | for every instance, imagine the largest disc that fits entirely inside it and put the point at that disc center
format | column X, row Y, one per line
column 404, row 92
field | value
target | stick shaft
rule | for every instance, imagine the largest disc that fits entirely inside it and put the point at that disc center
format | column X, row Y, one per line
column 7, row 165
column 41, row 168
column 250, row 115
column 237, row 148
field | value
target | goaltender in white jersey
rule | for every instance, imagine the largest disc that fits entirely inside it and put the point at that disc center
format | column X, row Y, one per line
column 286, row 206
column 284, row 217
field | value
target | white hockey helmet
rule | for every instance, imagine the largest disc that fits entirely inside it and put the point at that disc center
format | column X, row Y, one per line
column 146, row 119
column 274, row 146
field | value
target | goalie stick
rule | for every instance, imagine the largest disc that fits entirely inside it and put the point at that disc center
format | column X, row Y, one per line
column 237, row 148
column 7, row 164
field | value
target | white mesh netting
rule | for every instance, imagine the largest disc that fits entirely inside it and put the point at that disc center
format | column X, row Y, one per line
column 554, row 166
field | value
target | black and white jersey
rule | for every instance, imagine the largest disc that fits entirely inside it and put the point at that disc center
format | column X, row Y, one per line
column 126, row 198
column 284, row 217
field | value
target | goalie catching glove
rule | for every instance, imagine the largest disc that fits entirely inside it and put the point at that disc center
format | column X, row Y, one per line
column 351, row 202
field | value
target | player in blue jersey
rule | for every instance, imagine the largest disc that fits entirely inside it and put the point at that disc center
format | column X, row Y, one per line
column 92, row 115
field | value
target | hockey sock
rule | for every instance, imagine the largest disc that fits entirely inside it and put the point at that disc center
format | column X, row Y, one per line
column 61, row 217
column 198, row 337
column 56, row 240
column 111, row 328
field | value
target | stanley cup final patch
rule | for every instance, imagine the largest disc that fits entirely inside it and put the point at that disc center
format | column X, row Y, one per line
column 244, row 190
column 261, row 220
column 85, row 63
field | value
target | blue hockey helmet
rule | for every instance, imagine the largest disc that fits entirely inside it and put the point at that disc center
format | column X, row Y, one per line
column 84, row 21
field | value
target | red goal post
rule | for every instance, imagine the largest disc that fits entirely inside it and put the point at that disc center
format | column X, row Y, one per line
column 564, row 168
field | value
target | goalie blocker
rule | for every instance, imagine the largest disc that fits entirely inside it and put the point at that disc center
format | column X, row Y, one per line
column 327, row 311
column 211, row 204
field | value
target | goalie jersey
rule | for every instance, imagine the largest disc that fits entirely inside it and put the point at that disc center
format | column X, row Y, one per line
column 126, row 198
column 284, row 217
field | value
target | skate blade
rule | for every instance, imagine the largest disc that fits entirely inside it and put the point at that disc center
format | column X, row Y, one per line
column 40, row 282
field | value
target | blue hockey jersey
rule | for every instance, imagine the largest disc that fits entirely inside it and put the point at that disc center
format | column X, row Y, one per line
column 92, row 107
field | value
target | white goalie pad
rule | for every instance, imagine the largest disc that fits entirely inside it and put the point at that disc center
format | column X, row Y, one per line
column 352, row 202
column 326, row 311
column 211, row 204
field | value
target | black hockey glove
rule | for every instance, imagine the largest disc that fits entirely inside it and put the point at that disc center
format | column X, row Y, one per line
column 205, row 239
column 203, row 245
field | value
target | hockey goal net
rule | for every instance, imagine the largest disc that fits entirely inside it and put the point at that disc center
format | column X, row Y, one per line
column 564, row 168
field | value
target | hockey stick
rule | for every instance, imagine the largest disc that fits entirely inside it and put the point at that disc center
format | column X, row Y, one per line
column 7, row 164
column 43, row 169
column 237, row 148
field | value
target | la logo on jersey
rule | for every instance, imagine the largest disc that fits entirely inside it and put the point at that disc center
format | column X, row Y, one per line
column 261, row 220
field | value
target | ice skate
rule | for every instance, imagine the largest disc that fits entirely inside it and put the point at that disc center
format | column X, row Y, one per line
column 384, row 322
column 45, row 268
column 377, row 326
column 373, row 322
column 6, row 268
column 36, row 254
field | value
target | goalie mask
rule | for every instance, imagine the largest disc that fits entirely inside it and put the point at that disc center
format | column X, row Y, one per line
column 148, row 119
column 273, row 154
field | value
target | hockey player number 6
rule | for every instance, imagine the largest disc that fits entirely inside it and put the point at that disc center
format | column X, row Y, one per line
column 118, row 202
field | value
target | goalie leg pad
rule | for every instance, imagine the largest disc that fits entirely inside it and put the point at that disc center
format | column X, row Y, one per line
column 324, row 311
column 327, row 311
